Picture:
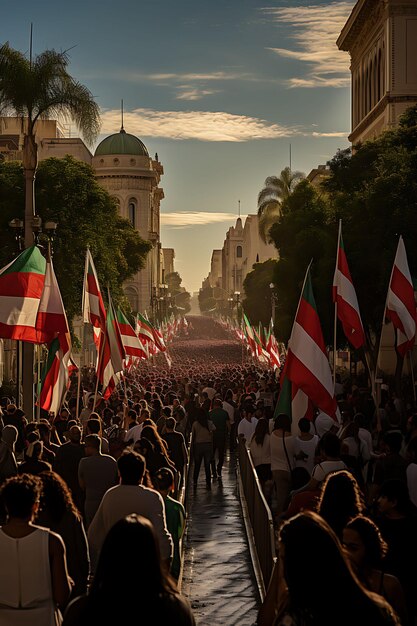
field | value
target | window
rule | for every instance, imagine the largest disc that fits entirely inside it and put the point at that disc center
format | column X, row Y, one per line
column 239, row 252
column 132, row 213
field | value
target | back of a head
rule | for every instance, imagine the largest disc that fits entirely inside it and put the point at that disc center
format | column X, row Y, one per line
column 340, row 500
column 74, row 434
column 131, row 466
column 396, row 490
column 394, row 441
column 282, row 422
column 94, row 426
column 93, row 441
column 375, row 546
column 304, row 425
column 331, row 445
column 325, row 570
column 128, row 566
column 9, row 435
column 163, row 479
column 217, row 403
column 19, row 495
column 170, row 423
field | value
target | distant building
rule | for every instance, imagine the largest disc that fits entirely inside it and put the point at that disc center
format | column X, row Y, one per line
column 215, row 275
column 232, row 259
column 168, row 262
column 318, row 175
column 381, row 37
column 254, row 249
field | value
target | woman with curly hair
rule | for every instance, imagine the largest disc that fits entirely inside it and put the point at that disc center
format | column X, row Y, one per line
column 340, row 500
column 366, row 550
column 58, row 512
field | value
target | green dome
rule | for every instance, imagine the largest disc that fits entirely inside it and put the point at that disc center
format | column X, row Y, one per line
column 121, row 143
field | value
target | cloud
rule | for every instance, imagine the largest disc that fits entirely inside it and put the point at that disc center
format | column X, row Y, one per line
column 316, row 30
column 185, row 219
column 336, row 134
column 187, row 92
column 203, row 76
column 200, row 125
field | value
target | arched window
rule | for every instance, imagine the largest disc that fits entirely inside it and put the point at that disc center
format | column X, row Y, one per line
column 131, row 212
column 239, row 252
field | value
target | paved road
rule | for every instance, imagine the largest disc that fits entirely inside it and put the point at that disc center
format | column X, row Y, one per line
column 218, row 578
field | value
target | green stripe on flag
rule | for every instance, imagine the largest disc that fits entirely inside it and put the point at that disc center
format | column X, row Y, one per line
column 29, row 261
column 284, row 403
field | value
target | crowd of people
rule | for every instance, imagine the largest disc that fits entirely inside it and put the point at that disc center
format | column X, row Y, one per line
column 90, row 499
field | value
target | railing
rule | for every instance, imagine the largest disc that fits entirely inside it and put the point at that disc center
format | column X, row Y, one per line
column 259, row 514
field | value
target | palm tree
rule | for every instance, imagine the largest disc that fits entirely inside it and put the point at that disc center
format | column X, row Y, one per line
column 33, row 90
column 270, row 199
column 38, row 89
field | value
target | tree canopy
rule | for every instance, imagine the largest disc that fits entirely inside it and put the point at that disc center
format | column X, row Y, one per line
column 258, row 293
column 68, row 193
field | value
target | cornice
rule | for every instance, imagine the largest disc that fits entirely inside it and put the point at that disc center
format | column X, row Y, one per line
column 376, row 112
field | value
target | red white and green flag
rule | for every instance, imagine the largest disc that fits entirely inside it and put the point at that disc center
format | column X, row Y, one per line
column 21, row 287
column 113, row 354
column 401, row 306
column 94, row 312
column 144, row 329
column 272, row 348
column 250, row 335
column 132, row 345
column 307, row 364
column 53, row 329
column 345, row 299
column 292, row 401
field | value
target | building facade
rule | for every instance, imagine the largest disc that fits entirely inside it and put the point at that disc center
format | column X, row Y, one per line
column 232, row 259
column 254, row 249
column 381, row 38
column 215, row 275
column 168, row 256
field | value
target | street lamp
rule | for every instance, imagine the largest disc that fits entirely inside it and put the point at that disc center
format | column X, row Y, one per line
column 274, row 300
column 18, row 227
column 238, row 308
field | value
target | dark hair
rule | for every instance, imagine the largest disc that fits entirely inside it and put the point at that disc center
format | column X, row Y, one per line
column 129, row 565
column 170, row 423
column 395, row 489
column 131, row 466
column 283, row 421
column 330, row 444
column 261, row 430
column 163, row 478
column 201, row 417
column 299, row 477
column 56, row 497
column 19, row 495
column 151, row 433
column 326, row 567
column 340, row 500
column 394, row 441
column 304, row 425
column 375, row 547
column 94, row 441
column 94, row 425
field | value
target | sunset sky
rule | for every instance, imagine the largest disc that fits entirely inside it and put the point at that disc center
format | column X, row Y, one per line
column 218, row 88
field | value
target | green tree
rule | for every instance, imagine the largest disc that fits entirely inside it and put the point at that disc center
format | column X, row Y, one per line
column 374, row 192
column 301, row 233
column 270, row 199
column 68, row 193
column 180, row 298
column 258, row 297
column 206, row 300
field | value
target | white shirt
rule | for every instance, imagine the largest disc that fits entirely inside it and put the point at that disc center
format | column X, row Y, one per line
column 279, row 459
column 247, row 428
column 230, row 411
column 309, row 448
column 327, row 467
column 261, row 454
column 412, row 482
column 134, row 433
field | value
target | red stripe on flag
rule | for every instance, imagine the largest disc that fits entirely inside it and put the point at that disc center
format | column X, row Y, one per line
column 25, row 284
column 304, row 378
column 308, row 318
column 403, row 290
column 351, row 322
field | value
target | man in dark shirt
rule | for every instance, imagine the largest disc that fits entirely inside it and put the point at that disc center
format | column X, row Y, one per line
column 392, row 466
column 66, row 463
column 220, row 419
column 176, row 446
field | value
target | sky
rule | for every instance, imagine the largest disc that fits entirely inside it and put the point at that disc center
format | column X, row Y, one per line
column 220, row 89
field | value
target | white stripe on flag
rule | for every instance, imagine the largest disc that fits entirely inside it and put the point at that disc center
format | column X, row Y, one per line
column 312, row 356
column 346, row 290
column 397, row 305
column 18, row 311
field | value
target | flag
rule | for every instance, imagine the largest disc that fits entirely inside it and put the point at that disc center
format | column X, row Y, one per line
column 21, row 287
column 144, row 329
column 307, row 365
column 53, row 329
column 292, row 401
column 401, row 307
column 272, row 348
column 250, row 336
column 94, row 312
column 113, row 354
column 131, row 343
column 344, row 296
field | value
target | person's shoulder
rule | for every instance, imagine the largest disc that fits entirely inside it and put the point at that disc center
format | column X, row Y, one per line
column 74, row 611
column 179, row 609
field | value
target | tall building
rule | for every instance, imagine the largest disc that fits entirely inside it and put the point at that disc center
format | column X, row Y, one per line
column 215, row 275
column 254, row 249
column 232, row 258
column 381, row 37
column 168, row 262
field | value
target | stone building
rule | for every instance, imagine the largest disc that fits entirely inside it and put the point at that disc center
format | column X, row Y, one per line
column 232, row 259
column 215, row 275
column 254, row 249
column 124, row 168
column 381, row 38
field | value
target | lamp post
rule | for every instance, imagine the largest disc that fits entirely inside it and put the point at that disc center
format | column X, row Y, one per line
column 274, row 300
column 238, row 306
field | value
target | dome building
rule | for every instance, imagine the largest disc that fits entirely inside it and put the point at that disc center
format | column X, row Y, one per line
column 124, row 168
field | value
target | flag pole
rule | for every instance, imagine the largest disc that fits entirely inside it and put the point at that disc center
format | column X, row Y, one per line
column 335, row 309
column 38, row 382
column 82, row 337
column 382, row 329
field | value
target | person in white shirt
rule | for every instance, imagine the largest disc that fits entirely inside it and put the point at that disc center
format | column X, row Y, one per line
column 130, row 497
column 134, row 434
column 282, row 460
column 330, row 449
column 305, row 446
column 247, row 424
